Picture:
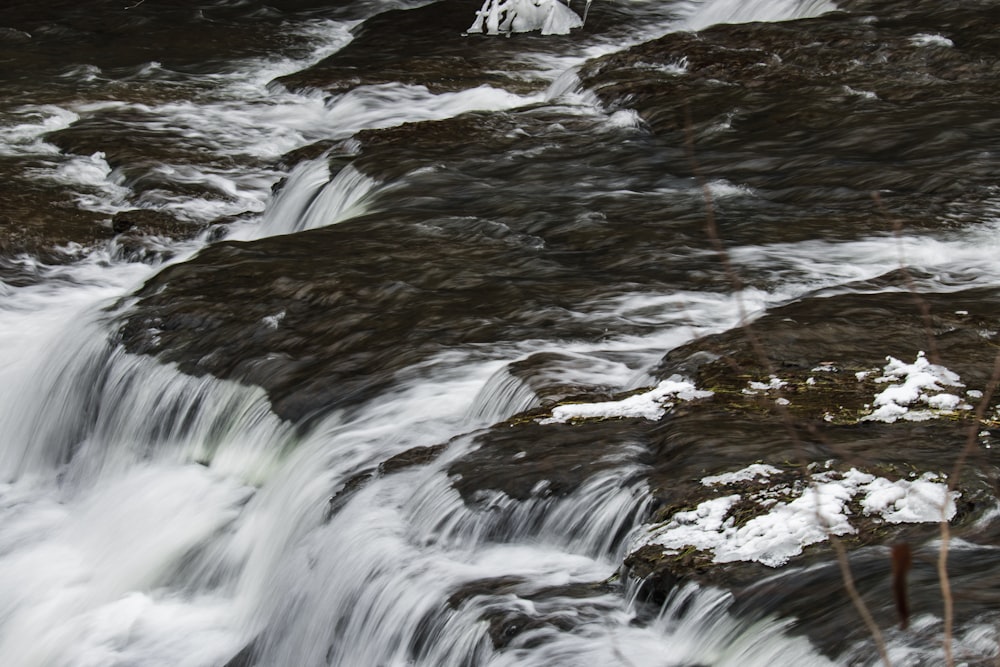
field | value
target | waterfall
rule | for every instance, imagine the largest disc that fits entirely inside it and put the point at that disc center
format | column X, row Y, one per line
column 309, row 198
column 703, row 13
column 152, row 517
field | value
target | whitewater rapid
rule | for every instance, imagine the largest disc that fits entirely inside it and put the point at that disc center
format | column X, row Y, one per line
column 149, row 517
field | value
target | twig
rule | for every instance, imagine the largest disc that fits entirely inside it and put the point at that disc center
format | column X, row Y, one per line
column 902, row 561
column 859, row 603
column 947, row 597
column 942, row 562
column 712, row 232
column 911, row 287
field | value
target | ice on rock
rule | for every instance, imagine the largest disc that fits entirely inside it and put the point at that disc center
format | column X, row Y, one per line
column 551, row 17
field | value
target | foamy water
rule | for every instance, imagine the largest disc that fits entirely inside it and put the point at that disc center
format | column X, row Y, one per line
column 152, row 518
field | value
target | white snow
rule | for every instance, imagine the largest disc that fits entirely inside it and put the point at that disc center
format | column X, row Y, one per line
column 773, row 383
column 914, row 386
column 815, row 511
column 909, row 502
column 751, row 472
column 651, row 405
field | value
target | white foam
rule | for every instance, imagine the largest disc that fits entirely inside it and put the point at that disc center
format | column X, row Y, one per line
column 71, row 591
column 701, row 14
column 953, row 260
column 927, row 39
column 25, row 138
column 97, row 187
column 722, row 189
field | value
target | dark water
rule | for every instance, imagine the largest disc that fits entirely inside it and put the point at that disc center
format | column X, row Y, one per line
column 290, row 292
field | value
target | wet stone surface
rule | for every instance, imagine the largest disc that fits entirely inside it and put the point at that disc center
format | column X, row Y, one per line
column 349, row 310
column 427, row 46
column 37, row 220
column 821, row 113
column 492, row 229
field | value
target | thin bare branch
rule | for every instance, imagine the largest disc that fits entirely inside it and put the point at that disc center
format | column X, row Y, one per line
column 859, row 603
column 947, row 597
column 911, row 286
column 712, row 232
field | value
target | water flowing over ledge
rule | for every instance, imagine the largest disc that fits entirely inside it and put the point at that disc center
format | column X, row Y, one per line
column 336, row 336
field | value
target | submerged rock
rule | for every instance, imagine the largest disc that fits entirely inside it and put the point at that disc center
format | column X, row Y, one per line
column 432, row 50
column 797, row 109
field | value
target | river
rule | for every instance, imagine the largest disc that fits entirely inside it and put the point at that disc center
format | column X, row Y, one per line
column 335, row 334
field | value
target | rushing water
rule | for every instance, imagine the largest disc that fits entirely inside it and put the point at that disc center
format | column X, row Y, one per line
column 167, row 502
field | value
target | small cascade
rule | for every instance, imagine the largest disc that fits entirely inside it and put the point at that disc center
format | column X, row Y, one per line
column 47, row 404
column 402, row 572
column 694, row 627
column 223, row 425
column 503, row 396
column 149, row 517
column 703, row 13
column 311, row 198
column 408, row 572
column 78, row 414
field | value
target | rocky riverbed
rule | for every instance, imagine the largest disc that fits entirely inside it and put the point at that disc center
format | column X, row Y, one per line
column 735, row 289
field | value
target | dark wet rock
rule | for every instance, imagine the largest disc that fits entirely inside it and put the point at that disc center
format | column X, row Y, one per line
column 44, row 220
column 434, row 53
column 818, row 338
column 335, row 344
column 120, row 36
column 507, row 622
column 13, row 35
column 152, row 223
column 813, row 346
column 796, row 110
column 347, row 490
column 531, row 460
column 415, row 456
column 245, row 658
